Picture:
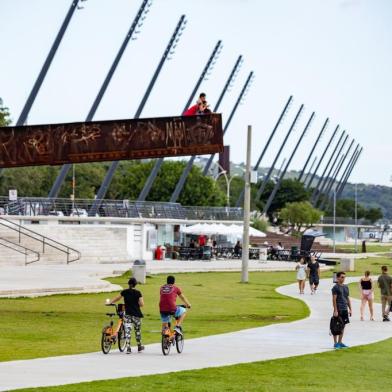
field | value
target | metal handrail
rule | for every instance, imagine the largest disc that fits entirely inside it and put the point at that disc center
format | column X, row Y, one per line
column 24, row 252
column 44, row 240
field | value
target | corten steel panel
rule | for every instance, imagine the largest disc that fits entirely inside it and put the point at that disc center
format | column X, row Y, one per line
column 56, row 144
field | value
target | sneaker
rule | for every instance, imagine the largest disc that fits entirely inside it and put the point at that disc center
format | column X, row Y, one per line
column 336, row 346
column 386, row 318
column 178, row 329
column 140, row 348
column 129, row 350
column 342, row 345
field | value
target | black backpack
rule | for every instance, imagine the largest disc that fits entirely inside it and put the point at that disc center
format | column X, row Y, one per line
column 336, row 325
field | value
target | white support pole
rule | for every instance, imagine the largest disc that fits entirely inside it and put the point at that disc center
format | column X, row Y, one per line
column 334, row 221
column 356, row 219
column 245, row 239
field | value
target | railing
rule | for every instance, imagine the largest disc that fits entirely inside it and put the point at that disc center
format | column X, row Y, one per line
column 20, row 249
column 345, row 221
column 116, row 208
column 45, row 241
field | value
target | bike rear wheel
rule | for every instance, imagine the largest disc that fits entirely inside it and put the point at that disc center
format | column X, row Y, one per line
column 166, row 343
column 122, row 341
column 179, row 343
column 106, row 339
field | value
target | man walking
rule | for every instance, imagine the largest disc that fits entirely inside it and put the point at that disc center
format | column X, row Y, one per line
column 341, row 306
column 385, row 285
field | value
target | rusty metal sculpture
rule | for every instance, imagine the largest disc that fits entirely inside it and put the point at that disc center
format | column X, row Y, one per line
column 55, row 144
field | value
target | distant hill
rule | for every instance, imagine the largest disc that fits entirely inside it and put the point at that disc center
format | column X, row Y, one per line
column 369, row 195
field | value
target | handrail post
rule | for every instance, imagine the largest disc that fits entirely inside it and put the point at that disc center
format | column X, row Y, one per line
column 67, row 256
column 43, row 245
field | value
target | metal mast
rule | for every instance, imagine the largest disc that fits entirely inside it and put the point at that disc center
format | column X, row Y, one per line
column 41, row 76
column 207, row 68
column 322, row 157
column 324, row 127
column 340, row 190
column 169, row 50
column 267, row 177
column 316, row 190
column 188, row 167
column 137, row 23
column 285, row 110
column 282, row 174
column 334, row 165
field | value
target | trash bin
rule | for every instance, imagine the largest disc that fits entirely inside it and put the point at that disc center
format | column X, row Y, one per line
column 263, row 254
column 347, row 264
column 139, row 271
column 294, row 252
column 159, row 255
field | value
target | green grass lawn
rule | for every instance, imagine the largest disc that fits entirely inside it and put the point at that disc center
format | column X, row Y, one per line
column 70, row 324
column 370, row 248
column 363, row 368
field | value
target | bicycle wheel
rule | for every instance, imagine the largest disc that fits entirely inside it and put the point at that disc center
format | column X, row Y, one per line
column 106, row 340
column 122, row 341
column 165, row 345
column 179, row 343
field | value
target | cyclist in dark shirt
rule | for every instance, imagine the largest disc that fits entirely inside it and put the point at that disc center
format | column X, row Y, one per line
column 133, row 300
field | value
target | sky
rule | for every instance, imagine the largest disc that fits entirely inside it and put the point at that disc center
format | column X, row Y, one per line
column 333, row 56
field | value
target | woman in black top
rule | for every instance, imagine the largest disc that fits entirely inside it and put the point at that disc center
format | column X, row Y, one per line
column 133, row 300
column 367, row 295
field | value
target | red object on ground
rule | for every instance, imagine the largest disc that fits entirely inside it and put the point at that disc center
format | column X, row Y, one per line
column 201, row 240
column 158, row 253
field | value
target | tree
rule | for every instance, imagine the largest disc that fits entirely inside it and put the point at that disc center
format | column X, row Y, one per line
column 291, row 190
column 373, row 214
column 300, row 215
column 4, row 115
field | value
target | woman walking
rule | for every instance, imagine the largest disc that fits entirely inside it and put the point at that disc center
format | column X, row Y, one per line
column 301, row 274
column 367, row 295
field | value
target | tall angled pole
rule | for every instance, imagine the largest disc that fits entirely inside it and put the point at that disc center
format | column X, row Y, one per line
column 310, row 170
column 243, row 92
column 48, row 61
column 284, row 111
column 330, row 160
column 336, row 185
column 207, row 68
column 322, row 157
column 331, row 173
column 343, row 185
column 337, row 171
column 324, row 127
column 266, row 178
column 137, row 23
column 184, row 175
column 282, row 174
column 168, row 50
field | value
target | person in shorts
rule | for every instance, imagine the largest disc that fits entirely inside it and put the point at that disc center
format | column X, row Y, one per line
column 168, row 306
column 313, row 272
column 367, row 294
column 341, row 306
column 385, row 285
column 133, row 300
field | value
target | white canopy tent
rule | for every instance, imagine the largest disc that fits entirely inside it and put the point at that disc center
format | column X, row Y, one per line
column 220, row 229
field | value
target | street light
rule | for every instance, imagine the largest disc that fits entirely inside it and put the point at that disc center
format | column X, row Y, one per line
column 228, row 182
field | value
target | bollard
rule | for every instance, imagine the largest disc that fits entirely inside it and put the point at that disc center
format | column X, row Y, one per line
column 347, row 264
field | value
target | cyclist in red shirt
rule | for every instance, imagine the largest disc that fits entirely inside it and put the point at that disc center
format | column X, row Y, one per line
column 168, row 306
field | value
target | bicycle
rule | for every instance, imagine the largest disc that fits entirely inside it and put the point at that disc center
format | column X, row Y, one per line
column 170, row 338
column 115, row 335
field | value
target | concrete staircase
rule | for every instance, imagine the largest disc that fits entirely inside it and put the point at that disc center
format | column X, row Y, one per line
column 20, row 245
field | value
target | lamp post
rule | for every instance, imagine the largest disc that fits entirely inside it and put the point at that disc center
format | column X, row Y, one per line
column 228, row 182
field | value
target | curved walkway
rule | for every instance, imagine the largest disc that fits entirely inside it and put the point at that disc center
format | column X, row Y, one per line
column 305, row 336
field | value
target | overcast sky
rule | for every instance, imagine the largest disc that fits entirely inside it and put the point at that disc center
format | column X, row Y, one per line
column 335, row 56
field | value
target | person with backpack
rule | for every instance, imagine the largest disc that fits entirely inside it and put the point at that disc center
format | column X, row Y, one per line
column 341, row 310
column 133, row 300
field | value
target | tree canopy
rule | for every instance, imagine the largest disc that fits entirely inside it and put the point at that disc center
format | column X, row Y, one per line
column 299, row 216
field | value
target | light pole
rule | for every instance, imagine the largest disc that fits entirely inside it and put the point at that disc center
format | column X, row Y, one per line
column 228, row 182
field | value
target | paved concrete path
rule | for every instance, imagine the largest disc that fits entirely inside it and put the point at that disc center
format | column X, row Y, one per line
column 305, row 336
column 35, row 279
